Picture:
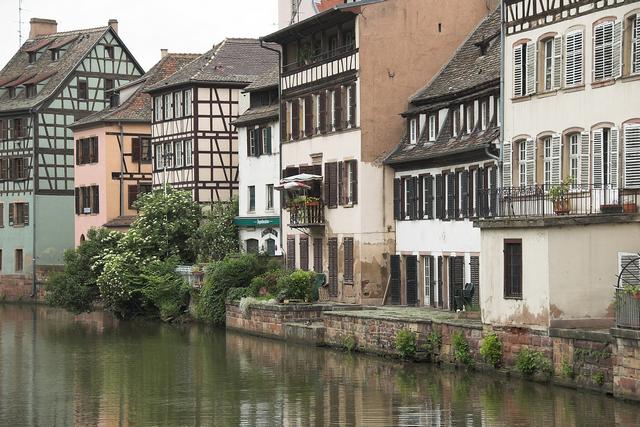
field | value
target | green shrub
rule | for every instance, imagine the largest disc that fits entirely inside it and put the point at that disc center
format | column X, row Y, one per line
column 566, row 370
column 491, row 349
column 406, row 343
column 121, row 285
column 529, row 361
column 165, row 289
column 433, row 344
column 268, row 281
column 461, row 352
column 217, row 235
column 598, row 378
column 236, row 294
column 349, row 343
column 297, row 285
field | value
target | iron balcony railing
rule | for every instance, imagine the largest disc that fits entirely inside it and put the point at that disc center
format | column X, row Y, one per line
column 627, row 309
column 539, row 201
column 306, row 215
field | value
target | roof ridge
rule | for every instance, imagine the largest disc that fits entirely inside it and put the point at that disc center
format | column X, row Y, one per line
column 69, row 33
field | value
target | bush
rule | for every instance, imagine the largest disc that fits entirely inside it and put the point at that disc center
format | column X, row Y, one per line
column 297, row 285
column 461, row 352
column 349, row 343
column 491, row 349
column 165, row 289
column 217, row 235
column 121, row 285
column 268, row 281
column 598, row 378
column 236, row 294
column 433, row 344
column 406, row 343
column 566, row 370
column 529, row 361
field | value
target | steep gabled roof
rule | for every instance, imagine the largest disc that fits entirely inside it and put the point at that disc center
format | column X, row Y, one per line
column 18, row 70
column 233, row 61
column 266, row 80
column 137, row 108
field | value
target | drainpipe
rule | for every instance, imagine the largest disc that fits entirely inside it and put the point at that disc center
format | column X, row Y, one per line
column 121, row 169
column 502, row 95
column 34, row 168
column 279, row 127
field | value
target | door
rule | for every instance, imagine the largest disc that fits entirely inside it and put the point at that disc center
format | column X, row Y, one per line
column 456, row 282
column 429, row 282
column 439, row 283
column 394, row 290
column 411, row 267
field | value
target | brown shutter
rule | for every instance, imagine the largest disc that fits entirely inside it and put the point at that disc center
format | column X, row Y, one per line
column 330, row 184
column 77, row 195
column 295, row 119
column 95, row 196
column 439, row 197
column 136, row 150
column 322, row 120
column 11, row 212
column 340, row 184
column 397, row 189
column 354, row 182
column 93, row 150
column 337, row 108
column 25, row 168
column 78, row 152
column 348, row 259
column 317, row 255
column 308, row 115
column 352, row 105
column 283, row 123
column 304, row 253
column 464, row 196
column 333, row 267
column 420, row 197
column 291, row 252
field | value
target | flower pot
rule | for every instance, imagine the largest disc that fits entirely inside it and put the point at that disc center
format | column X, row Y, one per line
column 629, row 208
column 610, row 209
column 561, row 207
column 636, row 296
column 316, row 203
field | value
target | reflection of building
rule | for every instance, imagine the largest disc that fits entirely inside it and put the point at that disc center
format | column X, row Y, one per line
column 113, row 152
column 54, row 79
column 258, row 153
column 344, row 79
column 195, row 143
column 572, row 113
column 443, row 171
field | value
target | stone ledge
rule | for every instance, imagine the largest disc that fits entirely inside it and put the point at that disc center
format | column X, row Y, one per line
column 556, row 221
column 386, row 317
column 629, row 334
column 581, row 334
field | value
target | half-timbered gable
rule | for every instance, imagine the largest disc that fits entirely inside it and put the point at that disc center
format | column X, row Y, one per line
column 446, row 174
column 194, row 139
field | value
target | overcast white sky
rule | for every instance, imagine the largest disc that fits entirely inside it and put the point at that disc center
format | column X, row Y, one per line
column 145, row 26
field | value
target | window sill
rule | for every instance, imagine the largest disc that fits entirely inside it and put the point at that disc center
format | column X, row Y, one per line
column 630, row 78
column 547, row 93
column 603, row 83
column 571, row 89
column 513, row 298
column 518, row 99
column 347, row 282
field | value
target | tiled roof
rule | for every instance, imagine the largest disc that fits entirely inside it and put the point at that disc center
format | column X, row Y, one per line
column 265, row 80
column 232, row 61
column 468, row 68
column 258, row 114
column 137, row 107
column 79, row 43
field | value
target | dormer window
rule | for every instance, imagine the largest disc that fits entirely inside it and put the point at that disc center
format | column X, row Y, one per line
column 413, row 130
column 469, row 118
column 433, row 131
column 12, row 92
column 55, row 54
column 484, row 114
column 32, row 91
column 32, row 57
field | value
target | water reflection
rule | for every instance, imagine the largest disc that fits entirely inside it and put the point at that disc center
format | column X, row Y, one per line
column 59, row 370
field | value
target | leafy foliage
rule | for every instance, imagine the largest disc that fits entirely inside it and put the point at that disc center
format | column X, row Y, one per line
column 461, row 352
column 236, row 294
column 598, row 378
column 491, row 349
column 529, row 361
column 267, row 281
column 349, row 343
column 406, row 343
column 297, row 285
column 566, row 370
column 164, row 289
column 75, row 288
column 217, row 235
column 433, row 344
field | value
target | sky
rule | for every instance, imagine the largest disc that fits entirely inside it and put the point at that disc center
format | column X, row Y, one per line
column 145, row 26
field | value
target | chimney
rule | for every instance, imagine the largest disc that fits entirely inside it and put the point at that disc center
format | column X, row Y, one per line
column 113, row 23
column 42, row 27
column 163, row 53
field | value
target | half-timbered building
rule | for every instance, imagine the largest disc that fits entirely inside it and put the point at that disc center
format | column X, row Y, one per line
column 113, row 163
column 259, row 166
column 194, row 140
column 445, row 172
column 345, row 75
column 54, row 79
column 568, row 202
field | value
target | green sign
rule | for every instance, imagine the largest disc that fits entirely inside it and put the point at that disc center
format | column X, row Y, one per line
column 257, row 222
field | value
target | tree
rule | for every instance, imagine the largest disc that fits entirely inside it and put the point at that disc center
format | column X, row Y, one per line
column 217, row 236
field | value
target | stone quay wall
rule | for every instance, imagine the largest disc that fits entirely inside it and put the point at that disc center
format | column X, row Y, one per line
column 269, row 319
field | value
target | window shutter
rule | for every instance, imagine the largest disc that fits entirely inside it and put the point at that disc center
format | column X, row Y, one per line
column 295, row 119
column 95, row 196
column 598, row 52
column 556, row 159
column 94, row 150
column 341, row 183
column 25, row 213
column 530, row 168
column 354, row 182
column 257, row 140
column 24, row 172
column 507, row 164
column 574, row 51
column 439, row 197
column 78, row 152
column 429, row 195
column 413, row 192
column 330, row 184
column 493, row 193
column 394, row 280
column 557, row 62
column 352, row 105
column 3, row 169
column 136, row 150
column 597, row 159
column 308, row 116
column 636, row 46
column 11, row 212
column 614, row 156
column 632, row 155
column 132, row 195
column 304, row 253
column 397, row 189
column 348, row 259
column 531, row 68
column 249, row 145
column 322, row 120
column 616, row 55
column 584, row 158
column 283, row 123
column 77, row 197
column 412, row 280
column 450, row 195
column 291, row 252
column 517, row 71
column 403, row 195
column 420, row 197
column 464, row 197
column 268, row 143
column 479, row 210
column 337, row 108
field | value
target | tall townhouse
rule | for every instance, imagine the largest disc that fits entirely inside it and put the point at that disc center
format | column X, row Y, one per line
column 194, row 140
column 113, row 152
column 54, row 79
column 445, row 173
column 259, row 166
column 346, row 72
column 567, row 216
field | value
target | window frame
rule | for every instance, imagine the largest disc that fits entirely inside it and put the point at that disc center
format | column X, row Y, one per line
column 251, row 199
column 413, row 130
column 547, row 156
column 168, row 106
column 159, row 152
column 607, row 48
column 179, row 154
column 83, row 89
column 522, row 162
column 432, row 123
column 574, row 158
column 18, row 264
column 269, row 199
column 168, row 155
column 188, row 152
column 510, row 290
column 574, row 59
column 187, row 106
column 547, row 63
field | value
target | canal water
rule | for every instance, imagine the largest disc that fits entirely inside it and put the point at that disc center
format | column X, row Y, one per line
column 61, row 370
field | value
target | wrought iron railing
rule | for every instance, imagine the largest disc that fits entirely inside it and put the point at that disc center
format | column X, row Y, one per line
column 538, row 201
column 306, row 215
column 326, row 56
column 627, row 309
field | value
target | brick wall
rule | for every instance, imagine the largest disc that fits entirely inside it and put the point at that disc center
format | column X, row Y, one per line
column 269, row 320
column 18, row 288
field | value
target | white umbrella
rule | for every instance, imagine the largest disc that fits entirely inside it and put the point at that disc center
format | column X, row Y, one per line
column 292, row 186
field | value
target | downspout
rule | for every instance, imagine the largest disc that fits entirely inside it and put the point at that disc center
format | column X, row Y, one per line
column 121, row 143
column 279, row 127
column 34, row 167
column 502, row 96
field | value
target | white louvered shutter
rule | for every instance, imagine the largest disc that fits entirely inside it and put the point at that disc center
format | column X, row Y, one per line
column 597, row 159
column 530, row 167
column 616, row 67
column 517, row 71
column 636, row 46
column 631, row 273
column 557, row 62
column 614, row 156
column 531, row 68
column 556, row 159
column 574, row 43
column 632, row 156
column 584, row 158
column 507, row 165
column 599, row 66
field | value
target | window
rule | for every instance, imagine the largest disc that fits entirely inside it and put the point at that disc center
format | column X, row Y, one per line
column 18, row 214
column 605, row 157
column 547, row 160
column 635, row 44
column 519, row 70
column 19, row 261
column 19, row 168
column 87, row 150
column 179, row 153
column 159, row 157
column 252, row 135
column 157, row 108
column 1, row 216
column 304, row 253
column 607, row 42
column 269, row 197
column 178, row 104
column 271, row 246
column 135, row 191
column 413, row 130
column 433, row 131
column 188, row 152
column 55, row 54
column 574, row 157
column 522, row 162
column 168, row 106
column 513, row 268
column 469, row 119
column 108, row 88
column 187, row 102
column 32, row 57
column 168, row 154
column 351, row 182
column 427, row 197
column 291, row 252
column 141, row 150
column 573, row 63
column 456, row 121
column 429, row 280
column 351, row 108
column 252, row 246
column 547, row 50
column 318, row 110
column 407, row 184
column 4, row 169
column 87, row 200
column 484, row 114
column 32, row 91
column 348, row 259
column 252, row 198
column 83, row 89
column 17, row 129
column 266, row 140
column 109, row 52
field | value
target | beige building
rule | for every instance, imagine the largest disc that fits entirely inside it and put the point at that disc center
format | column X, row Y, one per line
column 344, row 80
column 571, row 164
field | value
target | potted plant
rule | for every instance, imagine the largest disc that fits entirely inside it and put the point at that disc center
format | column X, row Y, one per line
column 632, row 290
column 559, row 196
column 629, row 207
column 311, row 201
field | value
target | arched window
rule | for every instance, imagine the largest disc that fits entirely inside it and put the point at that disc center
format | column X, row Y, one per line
column 82, row 238
column 271, row 247
column 252, row 246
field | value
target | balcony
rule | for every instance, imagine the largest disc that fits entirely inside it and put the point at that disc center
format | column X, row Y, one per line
column 309, row 61
column 306, row 215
